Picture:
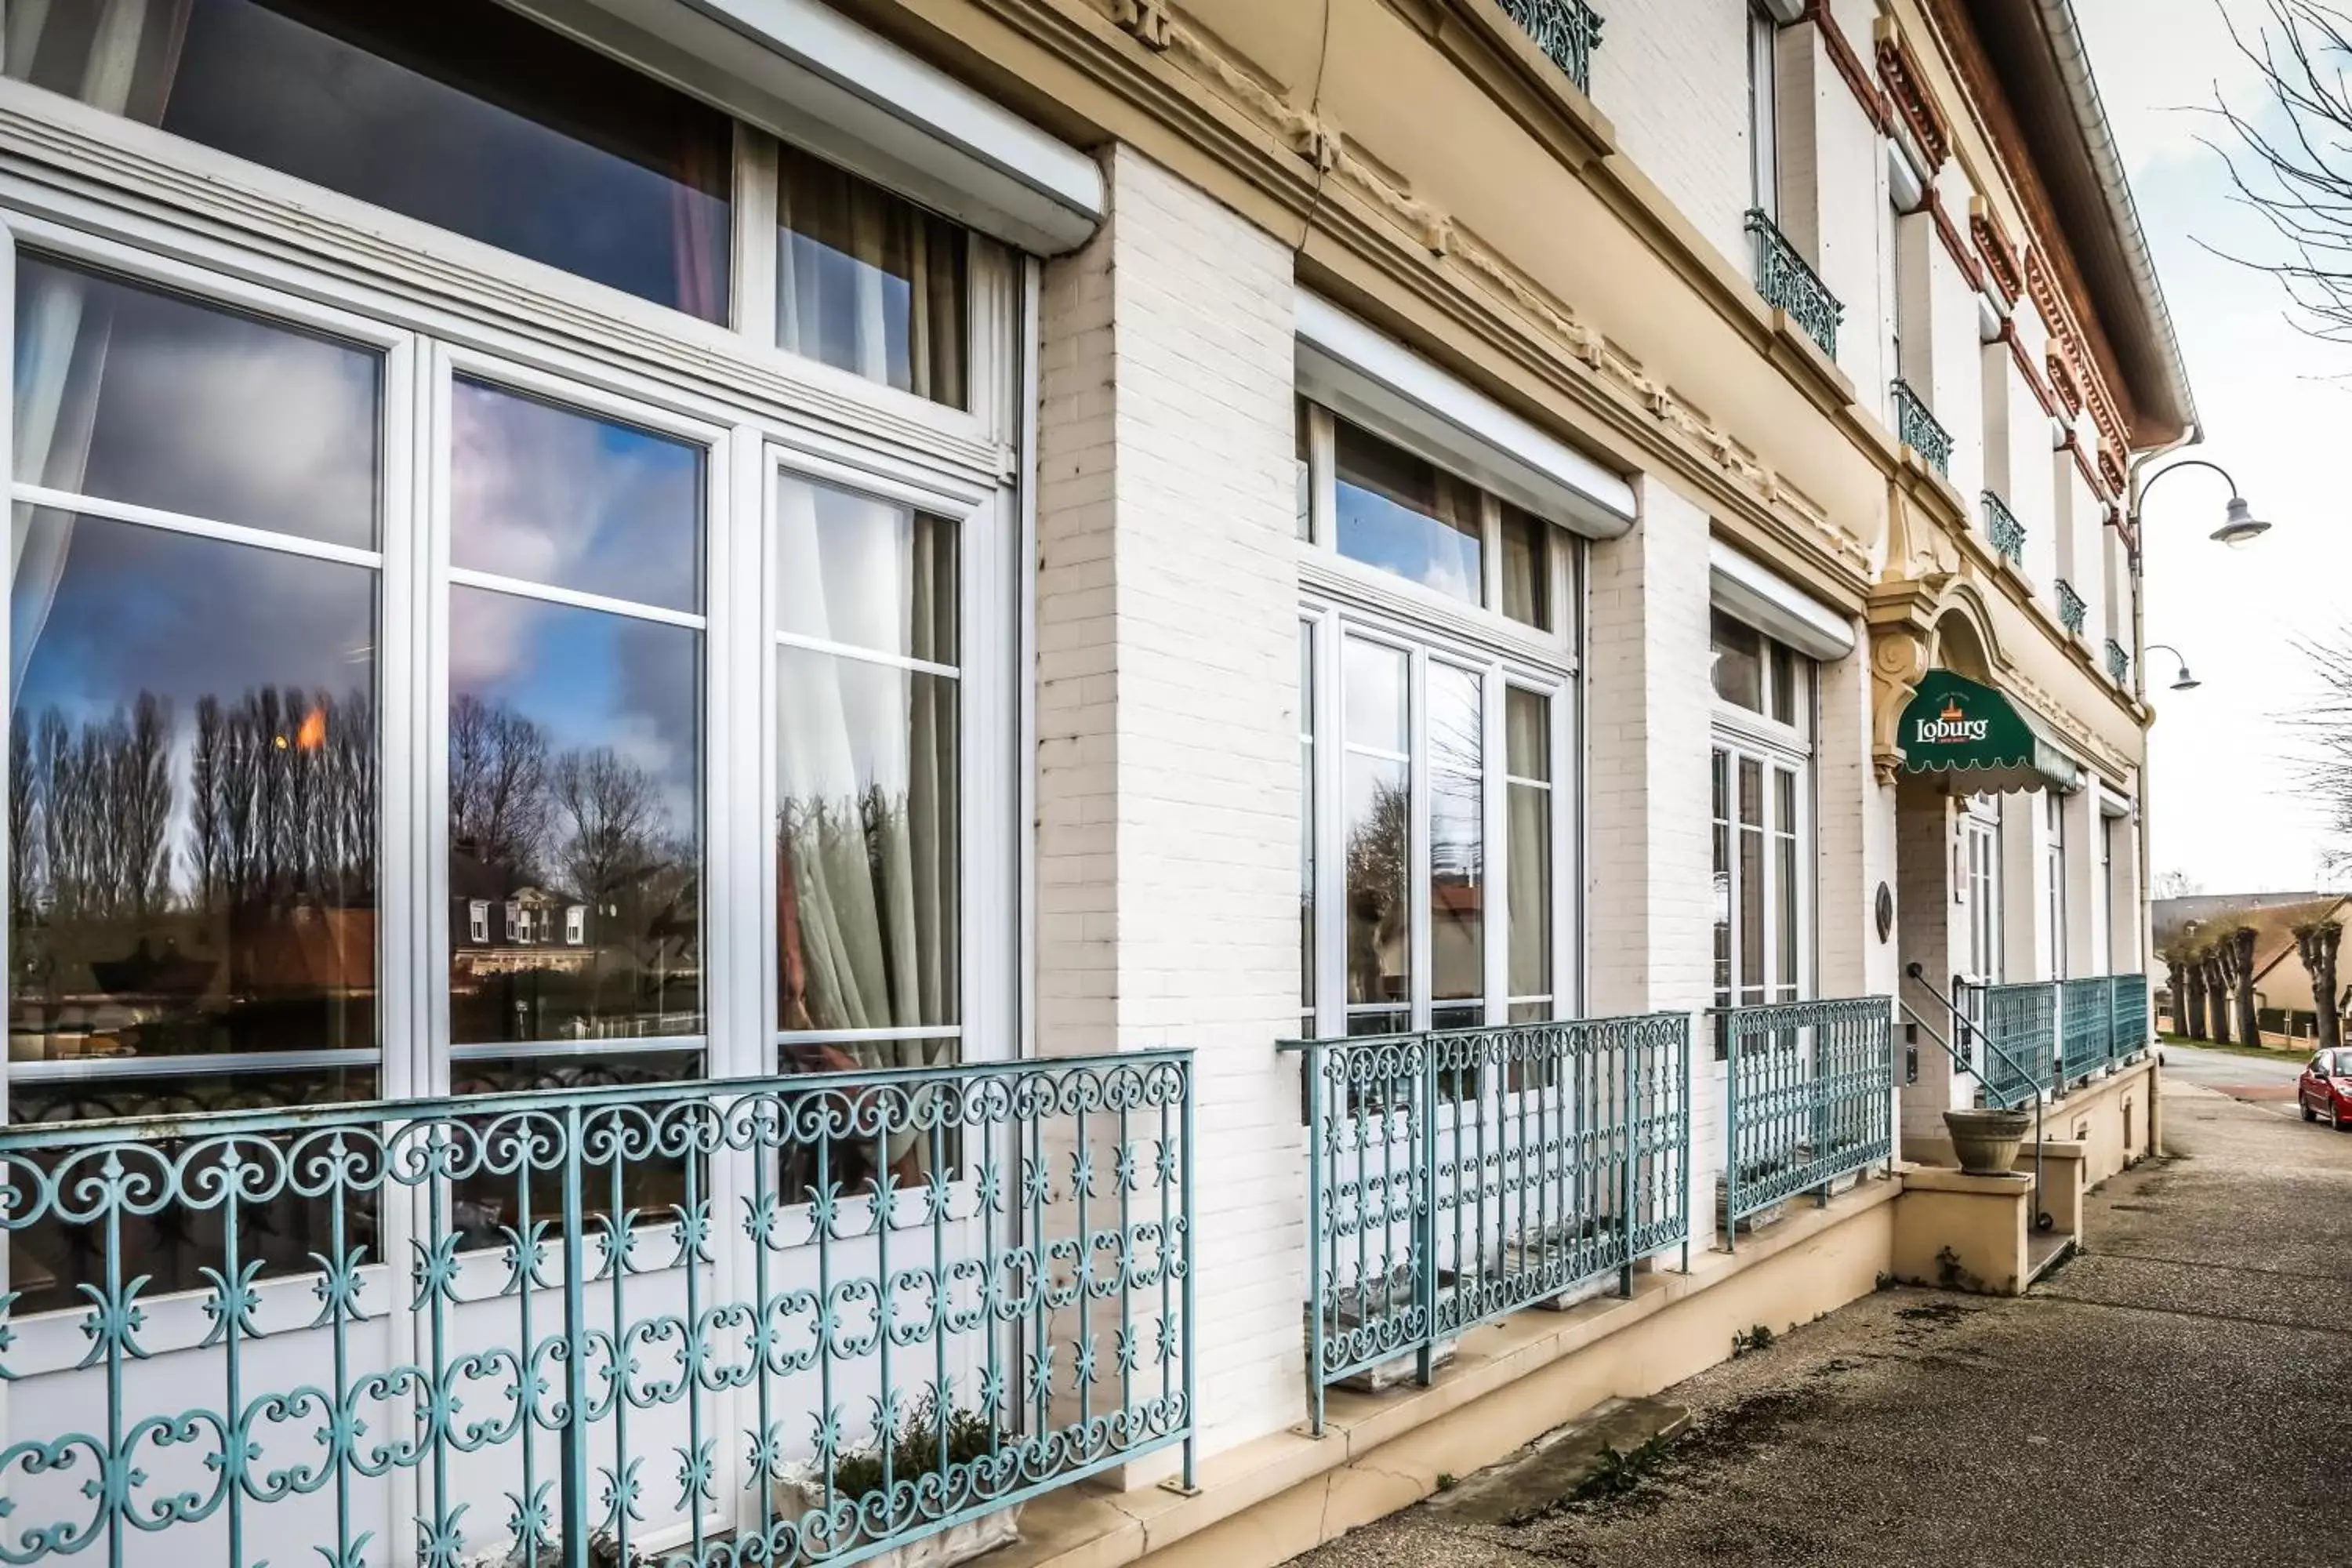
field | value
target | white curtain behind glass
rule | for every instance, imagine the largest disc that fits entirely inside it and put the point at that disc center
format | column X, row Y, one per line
column 123, row 65
column 867, row 757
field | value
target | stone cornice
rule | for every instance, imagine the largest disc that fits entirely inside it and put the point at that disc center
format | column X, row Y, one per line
column 2000, row 257
column 1909, row 97
column 1359, row 224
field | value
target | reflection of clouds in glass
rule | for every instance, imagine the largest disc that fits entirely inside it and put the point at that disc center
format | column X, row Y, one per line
column 552, row 496
column 1379, row 532
column 199, row 410
column 1373, row 681
column 590, row 680
column 842, row 726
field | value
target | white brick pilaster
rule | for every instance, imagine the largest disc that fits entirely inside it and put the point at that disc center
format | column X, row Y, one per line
column 1167, row 767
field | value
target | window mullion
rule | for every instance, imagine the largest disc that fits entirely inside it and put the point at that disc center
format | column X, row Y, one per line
column 1493, row 785
column 426, row 846
column 1417, row 878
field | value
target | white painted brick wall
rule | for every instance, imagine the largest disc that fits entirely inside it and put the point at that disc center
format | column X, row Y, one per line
column 1833, row 200
column 1932, row 928
column 1167, row 768
column 1649, row 879
column 1672, row 75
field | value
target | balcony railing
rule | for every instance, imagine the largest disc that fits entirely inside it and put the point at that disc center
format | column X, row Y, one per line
column 2002, row 531
column 2071, row 611
column 1456, row 1176
column 1565, row 30
column 1810, row 1089
column 2118, row 662
column 2050, row 1035
column 785, row 1319
column 1785, row 280
column 1917, row 428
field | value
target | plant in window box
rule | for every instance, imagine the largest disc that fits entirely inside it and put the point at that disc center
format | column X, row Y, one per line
column 1356, row 1313
column 935, row 1467
column 1753, row 1173
column 1548, row 1249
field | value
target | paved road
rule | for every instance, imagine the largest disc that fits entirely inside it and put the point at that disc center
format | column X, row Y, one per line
column 2167, row 1398
column 2265, row 1080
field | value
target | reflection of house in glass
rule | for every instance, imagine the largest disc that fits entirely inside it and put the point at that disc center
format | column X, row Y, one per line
column 532, row 962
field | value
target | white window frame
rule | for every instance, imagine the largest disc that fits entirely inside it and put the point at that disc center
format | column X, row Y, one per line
column 1343, row 598
column 1979, row 886
column 1737, row 734
column 2054, row 855
column 156, row 210
column 1764, row 111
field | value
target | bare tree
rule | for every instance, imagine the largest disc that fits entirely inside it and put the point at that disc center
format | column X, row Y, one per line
column 2219, row 982
column 2315, row 944
column 2289, row 155
column 2241, row 975
column 498, row 803
column 1379, row 854
column 610, row 813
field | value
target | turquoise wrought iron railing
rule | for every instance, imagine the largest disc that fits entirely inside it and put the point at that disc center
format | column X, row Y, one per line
column 1786, row 280
column 2054, row 1034
column 2127, row 1018
column 1456, row 1176
column 778, row 1321
column 2118, row 662
column 1917, row 427
column 1810, row 1092
column 2071, row 611
column 2002, row 531
column 1565, row 30
column 2020, row 1023
column 2086, row 1028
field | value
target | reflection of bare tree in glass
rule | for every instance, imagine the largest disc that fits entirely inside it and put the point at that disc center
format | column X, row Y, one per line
column 1380, row 849
column 106, row 811
column 611, row 816
column 498, row 785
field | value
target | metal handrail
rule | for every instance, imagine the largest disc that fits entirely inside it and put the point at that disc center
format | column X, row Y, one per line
column 2043, row 1218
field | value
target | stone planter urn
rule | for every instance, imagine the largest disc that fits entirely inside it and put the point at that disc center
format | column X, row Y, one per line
column 1986, row 1141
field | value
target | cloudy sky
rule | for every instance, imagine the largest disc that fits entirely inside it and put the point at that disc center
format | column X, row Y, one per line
column 2225, row 806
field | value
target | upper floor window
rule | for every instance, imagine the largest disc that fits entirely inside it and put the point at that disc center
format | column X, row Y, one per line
column 1753, row 673
column 1763, row 113
column 1377, row 503
column 868, row 281
column 457, row 112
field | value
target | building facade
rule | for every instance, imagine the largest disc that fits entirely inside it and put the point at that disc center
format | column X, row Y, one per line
column 1227, row 666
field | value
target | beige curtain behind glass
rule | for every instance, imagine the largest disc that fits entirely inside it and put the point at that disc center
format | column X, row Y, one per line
column 869, row 282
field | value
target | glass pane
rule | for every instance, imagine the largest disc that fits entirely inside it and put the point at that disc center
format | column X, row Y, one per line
column 1738, row 662
column 866, row 573
column 1306, row 473
column 1751, row 880
column 1389, row 1022
column 1456, row 1017
column 1457, row 885
column 555, row 496
column 1785, row 896
column 1788, row 685
column 1527, row 733
column 1721, row 769
column 193, row 792
column 1534, row 1011
column 1527, row 568
column 457, row 112
column 1532, row 891
column 1784, row 801
column 868, row 281
column 150, row 398
column 868, row 894
column 575, row 740
column 1307, row 814
column 1377, row 697
column 1456, row 719
column 1379, row 863
column 1400, row 514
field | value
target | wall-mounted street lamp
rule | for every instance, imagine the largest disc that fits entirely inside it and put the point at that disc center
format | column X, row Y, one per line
column 2239, row 523
column 2184, row 681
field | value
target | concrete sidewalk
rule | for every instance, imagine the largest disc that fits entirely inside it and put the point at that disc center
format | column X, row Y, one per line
column 2165, row 1398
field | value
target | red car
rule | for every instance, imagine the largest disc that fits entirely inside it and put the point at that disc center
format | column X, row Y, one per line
column 2325, row 1089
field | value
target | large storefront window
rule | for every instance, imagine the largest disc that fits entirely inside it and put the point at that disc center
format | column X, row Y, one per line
column 1762, row 816
column 402, row 704
column 1433, row 811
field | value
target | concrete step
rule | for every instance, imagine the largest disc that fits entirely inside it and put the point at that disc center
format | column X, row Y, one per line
column 2045, row 1249
column 1551, row 1470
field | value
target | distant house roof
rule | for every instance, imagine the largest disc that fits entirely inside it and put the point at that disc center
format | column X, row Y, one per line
column 2171, row 916
column 2274, row 922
